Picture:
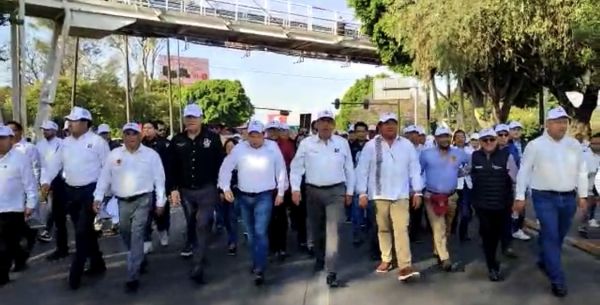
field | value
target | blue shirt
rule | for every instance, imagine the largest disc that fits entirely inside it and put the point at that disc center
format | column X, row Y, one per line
column 442, row 171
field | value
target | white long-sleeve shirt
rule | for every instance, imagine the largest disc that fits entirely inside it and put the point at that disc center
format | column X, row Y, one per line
column 550, row 165
column 32, row 154
column 323, row 163
column 465, row 180
column 592, row 161
column 18, row 187
column 48, row 150
column 128, row 174
column 400, row 169
column 258, row 169
column 81, row 160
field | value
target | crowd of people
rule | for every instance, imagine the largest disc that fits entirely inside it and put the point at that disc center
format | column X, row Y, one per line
column 386, row 184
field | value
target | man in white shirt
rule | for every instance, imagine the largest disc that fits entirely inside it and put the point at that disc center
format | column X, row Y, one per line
column 80, row 157
column 326, row 161
column 592, row 157
column 132, row 173
column 554, row 168
column 260, row 171
column 47, row 148
column 413, row 134
column 18, row 198
column 388, row 167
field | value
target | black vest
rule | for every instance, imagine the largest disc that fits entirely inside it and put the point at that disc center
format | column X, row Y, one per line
column 492, row 186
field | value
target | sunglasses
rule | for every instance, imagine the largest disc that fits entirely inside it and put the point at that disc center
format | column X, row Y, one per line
column 488, row 140
column 503, row 134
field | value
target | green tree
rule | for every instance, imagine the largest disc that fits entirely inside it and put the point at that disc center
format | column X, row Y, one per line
column 351, row 109
column 223, row 101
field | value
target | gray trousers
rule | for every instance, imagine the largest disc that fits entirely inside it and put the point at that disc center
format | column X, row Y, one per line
column 199, row 206
column 325, row 209
column 133, row 216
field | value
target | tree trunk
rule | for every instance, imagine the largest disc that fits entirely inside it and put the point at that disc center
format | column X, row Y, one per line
column 582, row 115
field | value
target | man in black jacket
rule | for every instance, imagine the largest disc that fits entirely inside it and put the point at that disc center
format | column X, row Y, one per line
column 161, row 146
column 493, row 171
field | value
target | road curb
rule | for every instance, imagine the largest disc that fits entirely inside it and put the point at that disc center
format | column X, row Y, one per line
column 582, row 244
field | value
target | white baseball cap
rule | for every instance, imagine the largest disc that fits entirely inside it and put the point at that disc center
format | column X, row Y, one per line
column 103, row 128
column 420, row 130
column 410, row 128
column 488, row 132
column 325, row 114
column 273, row 124
column 442, row 131
column 501, row 127
column 192, row 110
column 474, row 136
column 388, row 116
column 79, row 113
column 49, row 125
column 131, row 126
column 515, row 124
column 5, row 131
column 556, row 113
column 66, row 125
column 284, row 126
column 256, row 126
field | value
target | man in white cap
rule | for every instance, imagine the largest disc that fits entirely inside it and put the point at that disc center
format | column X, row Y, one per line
column 422, row 136
column 473, row 142
column 18, row 198
column 554, row 168
column 493, row 171
column 272, row 130
column 133, row 173
column 326, row 161
column 48, row 148
column 442, row 165
column 516, row 145
column 256, row 185
column 412, row 133
column 80, row 157
column 104, row 131
column 388, row 168
column 195, row 158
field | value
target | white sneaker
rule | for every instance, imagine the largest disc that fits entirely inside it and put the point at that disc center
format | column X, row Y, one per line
column 521, row 235
column 164, row 238
column 593, row 223
column 147, row 247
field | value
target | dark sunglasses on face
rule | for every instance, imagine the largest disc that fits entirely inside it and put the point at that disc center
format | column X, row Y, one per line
column 503, row 134
column 488, row 140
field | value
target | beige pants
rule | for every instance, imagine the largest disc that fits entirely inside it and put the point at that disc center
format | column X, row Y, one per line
column 438, row 227
column 452, row 205
column 393, row 217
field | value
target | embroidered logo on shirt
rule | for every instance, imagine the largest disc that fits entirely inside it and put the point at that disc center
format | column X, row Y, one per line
column 118, row 161
column 89, row 145
column 206, row 143
column 180, row 144
column 336, row 150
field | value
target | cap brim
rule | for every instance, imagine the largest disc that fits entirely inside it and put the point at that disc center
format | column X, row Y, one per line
column 390, row 119
column 325, row 118
column 127, row 129
column 560, row 117
column 443, row 134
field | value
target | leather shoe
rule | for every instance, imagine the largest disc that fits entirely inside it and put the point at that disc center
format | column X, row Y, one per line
column 74, row 282
column 332, row 280
column 559, row 290
column 495, row 276
column 132, row 286
column 197, row 275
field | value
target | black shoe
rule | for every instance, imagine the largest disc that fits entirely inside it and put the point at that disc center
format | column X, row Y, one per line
column 144, row 266
column 20, row 267
column 510, row 253
column 259, row 278
column 310, row 251
column 281, row 256
column 187, row 251
column 446, row 265
column 356, row 241
column 332, row 280
column 232, row 251
column 495, row 276
column 559, row 290
column 197, row 275
column 4, row 281
column 95, row 269
column 132, row 286
column 74, row 281
column 56, row 255
column 319, row 265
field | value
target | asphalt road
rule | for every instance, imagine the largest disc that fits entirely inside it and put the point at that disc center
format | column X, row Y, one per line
column 293, row 282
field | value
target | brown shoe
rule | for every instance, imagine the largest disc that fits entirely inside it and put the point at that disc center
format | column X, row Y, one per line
column 383, row 267
column 408, row 273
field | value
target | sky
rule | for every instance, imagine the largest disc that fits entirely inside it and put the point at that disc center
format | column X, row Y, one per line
column 272, row 80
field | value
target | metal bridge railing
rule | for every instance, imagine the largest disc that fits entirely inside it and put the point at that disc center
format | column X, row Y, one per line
column 282, row 13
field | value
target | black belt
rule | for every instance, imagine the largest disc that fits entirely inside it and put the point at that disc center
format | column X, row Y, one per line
column 132, row 198
column 325, row 187
column 255, row 194
column 81, row 186
column 438, row 193
column 568, row 193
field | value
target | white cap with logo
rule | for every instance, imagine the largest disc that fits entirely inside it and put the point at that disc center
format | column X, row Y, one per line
column 501, row 127
column 410, row 128
column 514, row 125
column 488, row 132
column 132, row 126
column 420, row 130
column 556, row 113
column 5, row 131
column 103, row 128
column 442, row 131
column 474, row 136
column 273, row 124
column 192, row 110
column 388, row 116
column 256, row 126
column 79, row 113
column 49, row 125
column 325, row 114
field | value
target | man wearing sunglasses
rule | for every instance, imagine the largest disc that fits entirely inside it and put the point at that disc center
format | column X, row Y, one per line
column 493, row 171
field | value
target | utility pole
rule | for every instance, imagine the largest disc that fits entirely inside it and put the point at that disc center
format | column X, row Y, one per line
column 169, row 87
column 127, row 78
column 179, row 84
column 75, row 68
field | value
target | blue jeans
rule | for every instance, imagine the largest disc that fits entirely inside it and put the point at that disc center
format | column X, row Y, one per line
column 256, row 212
column 465, row 211
column 361, row 216
column 555, row 212
column 228, row 210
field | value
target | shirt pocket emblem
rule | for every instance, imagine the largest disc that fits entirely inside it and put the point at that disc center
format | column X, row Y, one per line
column 336, row 150
column 89, row 145
column 118, row 162
column 206, row 143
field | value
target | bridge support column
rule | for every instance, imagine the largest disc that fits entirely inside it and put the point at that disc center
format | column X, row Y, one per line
column 17, row 53
column 60, row 35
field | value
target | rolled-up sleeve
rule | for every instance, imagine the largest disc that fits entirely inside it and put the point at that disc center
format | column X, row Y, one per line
column 29, row 185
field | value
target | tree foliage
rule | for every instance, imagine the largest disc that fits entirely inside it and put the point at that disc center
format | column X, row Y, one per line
column 223, row 101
